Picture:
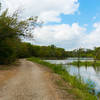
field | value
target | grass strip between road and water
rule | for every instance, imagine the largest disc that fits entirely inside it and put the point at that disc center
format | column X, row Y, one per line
column 79, row 88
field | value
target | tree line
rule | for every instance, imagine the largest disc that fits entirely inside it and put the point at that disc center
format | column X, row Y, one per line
column 45, row 52
column 87, row 53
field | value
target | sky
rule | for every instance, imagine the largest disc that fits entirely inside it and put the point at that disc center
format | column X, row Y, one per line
column 68, row 24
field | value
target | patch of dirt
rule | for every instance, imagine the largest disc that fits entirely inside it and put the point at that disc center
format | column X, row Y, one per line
column 6, row 75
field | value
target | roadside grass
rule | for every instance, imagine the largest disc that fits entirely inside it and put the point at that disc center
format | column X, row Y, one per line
column 79, row 88
column 85, row 63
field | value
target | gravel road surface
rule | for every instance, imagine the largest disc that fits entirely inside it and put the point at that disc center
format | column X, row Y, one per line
column 30, row 83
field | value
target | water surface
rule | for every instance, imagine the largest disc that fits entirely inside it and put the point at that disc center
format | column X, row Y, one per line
column 87, row 73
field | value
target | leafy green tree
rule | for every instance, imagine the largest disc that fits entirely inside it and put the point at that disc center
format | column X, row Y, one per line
column 12, row 30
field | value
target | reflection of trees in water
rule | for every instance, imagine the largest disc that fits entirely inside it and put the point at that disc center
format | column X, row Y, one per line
column 78, row 66
column 79, row 71
column 86, row 67
column 97, row 69
column 78, row 54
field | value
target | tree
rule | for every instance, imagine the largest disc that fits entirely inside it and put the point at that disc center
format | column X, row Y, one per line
column 12, row 30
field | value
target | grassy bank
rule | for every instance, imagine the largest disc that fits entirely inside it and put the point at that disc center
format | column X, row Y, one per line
column 86, row 63
column 79, row 88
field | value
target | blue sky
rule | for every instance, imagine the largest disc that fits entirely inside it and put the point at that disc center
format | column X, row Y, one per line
column 88, row 13
column 68, row 24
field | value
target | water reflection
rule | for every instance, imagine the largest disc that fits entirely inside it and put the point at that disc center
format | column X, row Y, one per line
column 86, row 73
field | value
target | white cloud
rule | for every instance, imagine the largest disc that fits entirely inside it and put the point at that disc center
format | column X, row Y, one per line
column 62, row 35
column 93, row 38
column 48, row 10
column 68, row 37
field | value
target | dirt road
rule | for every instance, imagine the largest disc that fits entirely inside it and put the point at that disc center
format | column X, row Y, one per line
column 30, row 83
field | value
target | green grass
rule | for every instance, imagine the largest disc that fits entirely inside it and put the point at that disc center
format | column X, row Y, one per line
column 79, row 88
column 85, row 63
